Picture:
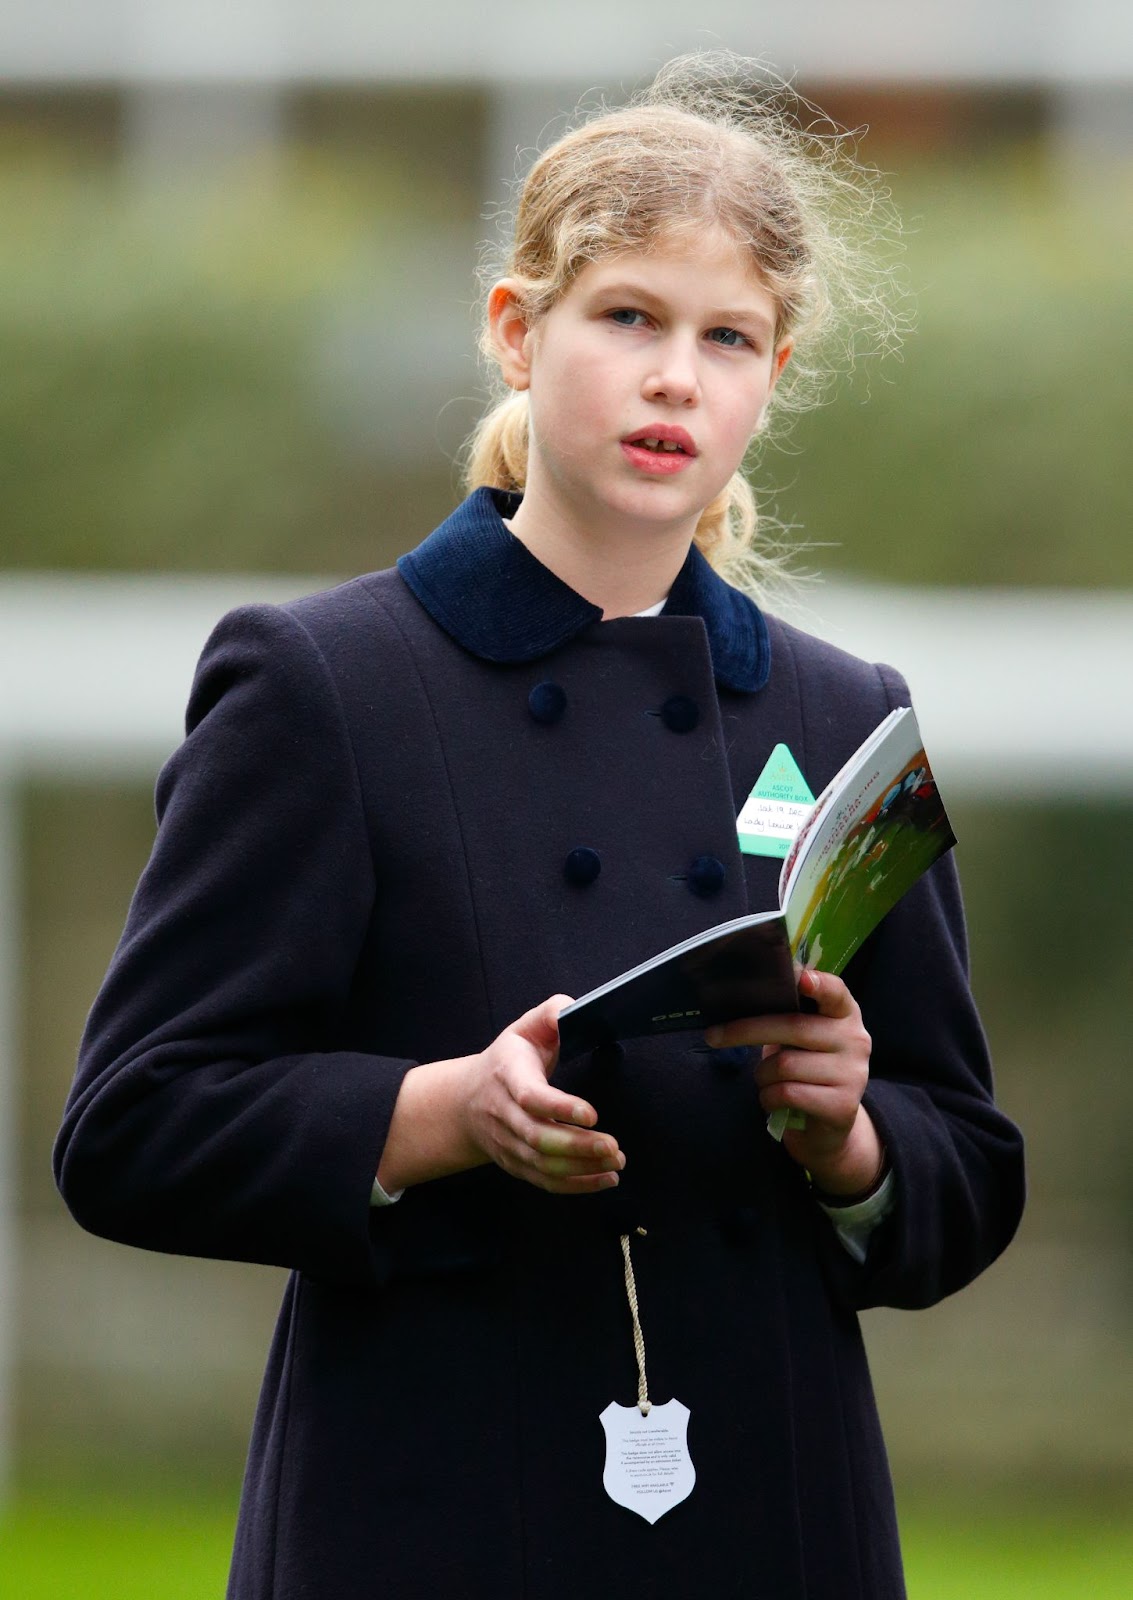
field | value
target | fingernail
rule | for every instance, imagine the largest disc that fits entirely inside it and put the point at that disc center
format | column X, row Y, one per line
column 713, row 1036
column 611, row 1181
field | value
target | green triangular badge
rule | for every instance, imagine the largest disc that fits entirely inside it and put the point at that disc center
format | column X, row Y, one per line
column 774, row 810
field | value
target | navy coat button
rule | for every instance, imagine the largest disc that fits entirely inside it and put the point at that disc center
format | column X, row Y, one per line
column 706, row 876
column 680, row 714
column 546, row 702
column 607, row 1057
column 582, row 866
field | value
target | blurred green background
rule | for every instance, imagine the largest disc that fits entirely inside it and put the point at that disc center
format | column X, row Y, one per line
column 266, row 364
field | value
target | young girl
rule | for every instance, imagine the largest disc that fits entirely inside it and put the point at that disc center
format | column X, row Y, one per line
column 410, row 816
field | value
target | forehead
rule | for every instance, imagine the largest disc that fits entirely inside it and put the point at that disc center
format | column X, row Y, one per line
column 711, row 267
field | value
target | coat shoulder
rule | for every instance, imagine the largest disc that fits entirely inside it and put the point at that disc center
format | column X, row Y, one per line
column 356, row 636
column 840, row 696
column 358, row 613
column 826, row 669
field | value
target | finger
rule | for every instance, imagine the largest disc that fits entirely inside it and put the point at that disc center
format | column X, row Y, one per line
column 828, row 992
column 793, row 1028
column 569, row 1167
column 811, row 1066
column 822, row 1104
column 540, row 1027
column 542, row 1103
column 527, row 1161
column 572, row 1186
column 553, row 1141
column 522, row 1118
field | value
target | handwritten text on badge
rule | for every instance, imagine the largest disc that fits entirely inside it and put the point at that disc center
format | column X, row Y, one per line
column 776, row 808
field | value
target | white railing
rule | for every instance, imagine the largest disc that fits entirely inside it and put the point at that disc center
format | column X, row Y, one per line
column 594, row 41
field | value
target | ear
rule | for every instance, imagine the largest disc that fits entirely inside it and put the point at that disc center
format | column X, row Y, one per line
column 511, row 333
column 780, row 358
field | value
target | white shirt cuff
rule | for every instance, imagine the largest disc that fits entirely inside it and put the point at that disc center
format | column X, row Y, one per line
column 855, row 1224
column 378, row 1196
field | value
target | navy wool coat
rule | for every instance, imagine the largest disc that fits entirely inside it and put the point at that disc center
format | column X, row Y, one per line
column 364, row 860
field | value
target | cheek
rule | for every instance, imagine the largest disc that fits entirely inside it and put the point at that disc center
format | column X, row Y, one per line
column 573, row 399
column 741, row 417
column 564, row 420
column 738, row 429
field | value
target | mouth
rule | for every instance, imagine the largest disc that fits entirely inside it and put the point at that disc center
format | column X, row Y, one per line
column 662, row 439
column 660, row 449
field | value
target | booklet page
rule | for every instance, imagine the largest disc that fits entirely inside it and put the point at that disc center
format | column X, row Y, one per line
column 877, row 828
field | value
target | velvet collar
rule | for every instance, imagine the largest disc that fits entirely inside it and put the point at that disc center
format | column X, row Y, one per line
column 486, row 589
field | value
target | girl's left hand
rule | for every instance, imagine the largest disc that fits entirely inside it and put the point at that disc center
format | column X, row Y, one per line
column 817, row 1064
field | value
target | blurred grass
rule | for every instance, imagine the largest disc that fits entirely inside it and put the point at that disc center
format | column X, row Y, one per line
column 1035, row 1555
column 89, row 1550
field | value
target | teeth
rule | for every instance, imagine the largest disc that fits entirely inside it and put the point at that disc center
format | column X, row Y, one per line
column 669, row 445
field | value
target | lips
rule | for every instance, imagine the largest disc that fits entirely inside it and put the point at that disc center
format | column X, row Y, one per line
column 663, row 438
column 660, row 449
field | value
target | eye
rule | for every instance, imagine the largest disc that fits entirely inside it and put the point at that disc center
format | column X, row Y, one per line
column 627, row 317
column 730, row 338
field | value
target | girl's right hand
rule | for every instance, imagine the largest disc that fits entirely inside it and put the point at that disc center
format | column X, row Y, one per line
column 497, row 1106
column 534, row 1131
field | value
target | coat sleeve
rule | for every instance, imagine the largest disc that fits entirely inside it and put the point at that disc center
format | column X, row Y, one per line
column 208, row 1115
column 956, row 1157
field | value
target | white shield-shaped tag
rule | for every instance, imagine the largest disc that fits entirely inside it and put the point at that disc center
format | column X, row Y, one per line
column 648, row 1467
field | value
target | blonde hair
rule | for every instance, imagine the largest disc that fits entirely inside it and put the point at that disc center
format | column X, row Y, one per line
column 715, row 140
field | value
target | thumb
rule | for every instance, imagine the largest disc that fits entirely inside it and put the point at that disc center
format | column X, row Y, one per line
column 540, row 1027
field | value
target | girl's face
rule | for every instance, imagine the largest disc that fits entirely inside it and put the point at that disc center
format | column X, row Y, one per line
column 646, row 382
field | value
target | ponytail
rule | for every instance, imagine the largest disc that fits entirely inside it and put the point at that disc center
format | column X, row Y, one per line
column 497, row 450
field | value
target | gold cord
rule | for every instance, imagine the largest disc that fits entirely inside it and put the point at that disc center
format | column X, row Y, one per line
column 643, row 1402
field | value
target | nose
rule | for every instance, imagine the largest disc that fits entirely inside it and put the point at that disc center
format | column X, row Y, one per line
column 673, row 375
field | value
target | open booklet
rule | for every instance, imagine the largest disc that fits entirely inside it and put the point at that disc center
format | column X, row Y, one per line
column 876, row 827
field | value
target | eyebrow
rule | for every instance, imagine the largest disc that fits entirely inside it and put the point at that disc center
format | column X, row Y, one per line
column 629, row 289
column 749, row 316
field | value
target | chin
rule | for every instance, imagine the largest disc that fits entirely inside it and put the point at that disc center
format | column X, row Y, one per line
column 652, row 502
column 652, row 512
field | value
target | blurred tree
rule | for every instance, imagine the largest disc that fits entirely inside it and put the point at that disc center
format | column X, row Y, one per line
column 242, row 374
column 994, row 453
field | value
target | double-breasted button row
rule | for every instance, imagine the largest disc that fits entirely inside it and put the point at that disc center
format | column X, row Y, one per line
column 705, row 875
column 547, row 703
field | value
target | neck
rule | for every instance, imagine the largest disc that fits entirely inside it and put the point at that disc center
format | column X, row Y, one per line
column 623, row 568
